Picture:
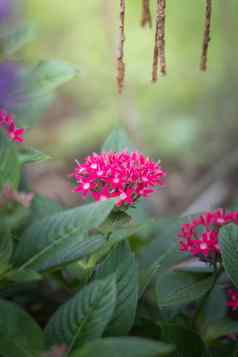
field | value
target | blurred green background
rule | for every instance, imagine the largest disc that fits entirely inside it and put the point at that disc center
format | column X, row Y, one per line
column 188, row 118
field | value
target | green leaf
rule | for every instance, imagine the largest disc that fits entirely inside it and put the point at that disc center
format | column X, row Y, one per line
column 117, row 141
column 9, row 163
column 23, row 276
column 62, row 237
column 194, row 265
column 30, row 155
column 61, row 251
column 18, row 38
column 228, row 239
column 170, row 259
column 19, row 334
column 124, row 232
column 146, row 276
column 188, row 343
column 124, row 346
column 85, row 316
column 181, row 288
column 47, row 76
column 42, row 207
column 215, row 307
column 164, row 244
column 121, row 261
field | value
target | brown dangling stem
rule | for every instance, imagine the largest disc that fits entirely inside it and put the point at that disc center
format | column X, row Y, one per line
column 120, row 53
column 206, row 35
column 146, row 14
column 159, row 48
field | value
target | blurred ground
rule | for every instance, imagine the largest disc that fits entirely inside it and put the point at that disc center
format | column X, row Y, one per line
column 188, row 119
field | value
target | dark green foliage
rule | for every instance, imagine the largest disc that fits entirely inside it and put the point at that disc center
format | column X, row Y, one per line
column 19, row 334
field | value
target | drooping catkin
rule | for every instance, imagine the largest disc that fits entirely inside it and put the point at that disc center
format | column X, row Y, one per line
column 159, row 48
column 120, row 52
column 206, row 35
column 146, row 14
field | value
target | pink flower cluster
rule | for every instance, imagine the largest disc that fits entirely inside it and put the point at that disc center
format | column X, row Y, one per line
column 200, row 237
column 8, row 124
column 125, row 175
column 232, row 301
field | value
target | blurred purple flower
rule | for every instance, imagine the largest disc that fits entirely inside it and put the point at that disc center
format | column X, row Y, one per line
column 10, row 84
column 6, row 8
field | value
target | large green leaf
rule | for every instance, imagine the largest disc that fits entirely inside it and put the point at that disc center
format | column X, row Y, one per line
column 228, row 239
column 125, row 231
column 181, row 288
column 121, row 261
column 42, row 207
column 165, row 243
column 19, row 334
column 170, row 259
column 85, row 316
column 9, row 163
column 124, row 346
column 62, row 237
column 117, row 141
column 215, row 307
column 146, row 276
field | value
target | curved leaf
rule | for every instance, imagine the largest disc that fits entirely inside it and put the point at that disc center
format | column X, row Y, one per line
column 146, row 276
column 19, row 334
column 85, row 316
column 228, row 239
column 62, row 237
column 42, row 207
column 122, row 262
column 124, row 346
column 181, row 288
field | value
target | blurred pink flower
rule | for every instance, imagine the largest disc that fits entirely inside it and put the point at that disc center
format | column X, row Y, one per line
column 200, row 237
column 9, row 195
column 8, row 124
column 122, row 175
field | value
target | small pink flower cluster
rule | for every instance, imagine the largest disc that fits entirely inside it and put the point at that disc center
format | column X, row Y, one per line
column 127, row 176
column 200, row 237
column 232, row 301
column 8, row 124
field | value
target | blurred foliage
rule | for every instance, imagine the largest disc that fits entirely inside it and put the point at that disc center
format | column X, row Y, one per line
column 171, row 117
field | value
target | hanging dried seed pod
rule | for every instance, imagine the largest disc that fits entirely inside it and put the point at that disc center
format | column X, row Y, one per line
column 120, row 53
column 206, row 35
column 159, row 49
column 146, row 14
column 156, row 53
